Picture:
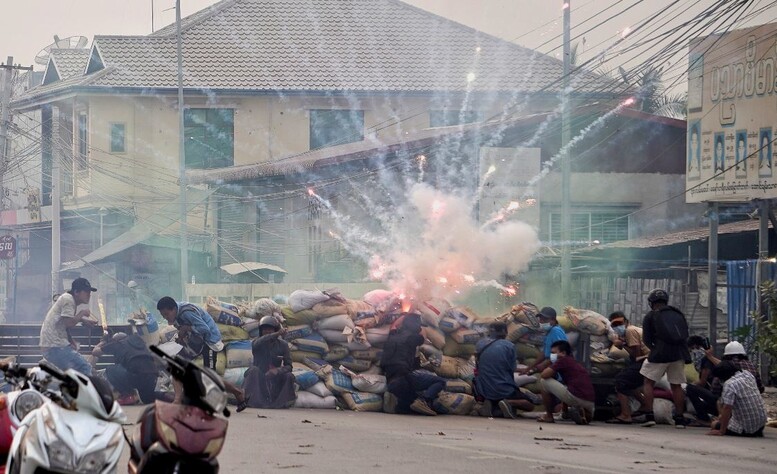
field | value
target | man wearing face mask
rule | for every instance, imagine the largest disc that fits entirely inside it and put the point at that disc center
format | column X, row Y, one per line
column 698, row 393
column 576, row 393
column 629, row 381
column 555, row 333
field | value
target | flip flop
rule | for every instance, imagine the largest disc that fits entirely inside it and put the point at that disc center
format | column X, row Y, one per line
column 618, row 421
column 543, row 419
column 242, row 405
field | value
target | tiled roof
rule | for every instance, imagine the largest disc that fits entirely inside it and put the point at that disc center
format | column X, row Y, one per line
column 70, row 62
column 329, row 45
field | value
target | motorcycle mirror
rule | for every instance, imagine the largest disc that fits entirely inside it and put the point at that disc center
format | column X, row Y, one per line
column 51, row 369
column 226, row 412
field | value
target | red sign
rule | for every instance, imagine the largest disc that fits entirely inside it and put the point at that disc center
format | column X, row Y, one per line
column 7, row 247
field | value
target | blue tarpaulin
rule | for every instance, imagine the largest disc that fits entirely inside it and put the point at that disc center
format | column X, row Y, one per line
column 741, row 290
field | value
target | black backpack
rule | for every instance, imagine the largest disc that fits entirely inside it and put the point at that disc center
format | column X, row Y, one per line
column 670, row 325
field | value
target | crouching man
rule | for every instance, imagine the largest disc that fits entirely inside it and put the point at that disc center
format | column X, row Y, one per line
column 270, row 383
column 415, row 389
column 135, row 367
column 496, row 362
column 576, row 393
column 741, row 407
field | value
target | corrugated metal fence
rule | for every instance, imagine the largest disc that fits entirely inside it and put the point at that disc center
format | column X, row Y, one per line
column 741, row 290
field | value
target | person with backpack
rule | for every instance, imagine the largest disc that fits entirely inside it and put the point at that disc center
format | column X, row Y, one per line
column 665, row 332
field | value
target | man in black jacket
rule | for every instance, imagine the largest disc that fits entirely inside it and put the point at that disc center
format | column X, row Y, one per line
column 665, row 332
column 269, row 383
column 135, row 368
column 400, row 364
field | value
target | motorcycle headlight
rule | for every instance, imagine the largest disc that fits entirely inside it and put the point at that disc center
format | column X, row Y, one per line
column 215, row 396
column 94, row 462
column 25, row 403
column 60, row 456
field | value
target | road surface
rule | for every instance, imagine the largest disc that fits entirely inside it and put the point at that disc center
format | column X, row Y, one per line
column 301, row 440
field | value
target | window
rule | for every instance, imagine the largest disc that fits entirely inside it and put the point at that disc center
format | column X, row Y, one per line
column 83, row 143
column 447, row 118
column 590, row 226
column 335, row 127
column 210, row 138
column 118, row 135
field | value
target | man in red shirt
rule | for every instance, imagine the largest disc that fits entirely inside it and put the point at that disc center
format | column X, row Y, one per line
column 576, row 393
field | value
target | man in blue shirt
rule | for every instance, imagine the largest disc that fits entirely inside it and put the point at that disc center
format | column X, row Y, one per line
column 496, row 361
column 194, row 324
column 548, row 323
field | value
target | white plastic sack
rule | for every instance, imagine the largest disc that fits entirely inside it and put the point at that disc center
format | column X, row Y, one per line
column 301, row 300
column 320, row 390
column 335, row 323
column 311, row 400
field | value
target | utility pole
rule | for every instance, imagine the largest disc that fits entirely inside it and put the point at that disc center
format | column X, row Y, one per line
column 712, row 269
column 56, row 199
column 566, row 221
column 181, row 157
column 5, row 102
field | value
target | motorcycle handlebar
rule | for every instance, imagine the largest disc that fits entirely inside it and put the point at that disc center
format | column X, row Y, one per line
column 53, row 370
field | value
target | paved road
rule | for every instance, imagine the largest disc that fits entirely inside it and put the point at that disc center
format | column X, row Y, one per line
column 339, row 441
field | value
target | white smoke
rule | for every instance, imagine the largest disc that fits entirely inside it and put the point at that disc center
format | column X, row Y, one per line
column 437, row 248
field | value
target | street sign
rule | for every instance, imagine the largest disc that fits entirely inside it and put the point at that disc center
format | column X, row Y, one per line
column 7, row 247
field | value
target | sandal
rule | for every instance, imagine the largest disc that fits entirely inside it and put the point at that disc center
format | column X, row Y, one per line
column 545, row 419
column 242, row 405
column 618, row 421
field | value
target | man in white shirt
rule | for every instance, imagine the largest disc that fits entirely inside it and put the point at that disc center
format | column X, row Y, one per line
column 58, row 348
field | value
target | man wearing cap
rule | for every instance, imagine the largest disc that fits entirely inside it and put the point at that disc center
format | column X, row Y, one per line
column 629, row 381
column 554, row 333
column 55, row 341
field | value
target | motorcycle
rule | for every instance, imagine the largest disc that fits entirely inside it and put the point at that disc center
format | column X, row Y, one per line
column 79, row 431
column 17, row 404
column 185, row 437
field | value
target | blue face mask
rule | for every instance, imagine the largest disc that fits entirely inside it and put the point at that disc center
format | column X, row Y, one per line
column 545, row 327
column 620, row 330
column 553, row 358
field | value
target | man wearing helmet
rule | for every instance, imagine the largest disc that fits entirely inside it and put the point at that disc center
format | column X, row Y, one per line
column 270, row 383
column 665, row 332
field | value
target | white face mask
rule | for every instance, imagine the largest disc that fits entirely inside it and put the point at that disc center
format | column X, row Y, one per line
column 553, row 358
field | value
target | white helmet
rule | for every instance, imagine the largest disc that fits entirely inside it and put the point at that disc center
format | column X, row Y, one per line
column 734, row 348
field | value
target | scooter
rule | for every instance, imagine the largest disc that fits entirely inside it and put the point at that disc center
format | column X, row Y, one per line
column 185, row 437
column 17, row 404
column 78, row 432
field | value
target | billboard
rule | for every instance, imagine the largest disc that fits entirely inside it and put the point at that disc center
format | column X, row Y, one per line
column 732, row 116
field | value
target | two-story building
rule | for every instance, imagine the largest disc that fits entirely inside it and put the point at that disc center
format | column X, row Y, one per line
column 265, row 82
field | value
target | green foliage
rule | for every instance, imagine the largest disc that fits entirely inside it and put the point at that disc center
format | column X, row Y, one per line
column 766, row 324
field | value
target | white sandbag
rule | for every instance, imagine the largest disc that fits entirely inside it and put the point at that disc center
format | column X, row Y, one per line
column 448, row 368
column 235, row 375
column 296, row 332
column 239, row 354
column 312, row 343
column 377, row 336
column 465, row 368
column 357, row 346
column 372, row 353
column 305, row 299
column 311, row 400
column 432, row 311
column 336, row 352
column 319, row 389
column 335, row 380
column 458, row 386
column 663, row 411
column 466, row 336
column 379, row 299
column 333, row 336
column 264, row 307
column 329, row 308
column 465, row 316
column 357, row 365
column 369, row 383
column 334, row 323
column 587, row 321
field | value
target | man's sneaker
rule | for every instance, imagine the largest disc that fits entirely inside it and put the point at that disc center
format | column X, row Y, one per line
column 534, row 398
column 420, row 406
column 487, row 409
column 650, row 420
column 680, row 422
column 507, row 410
